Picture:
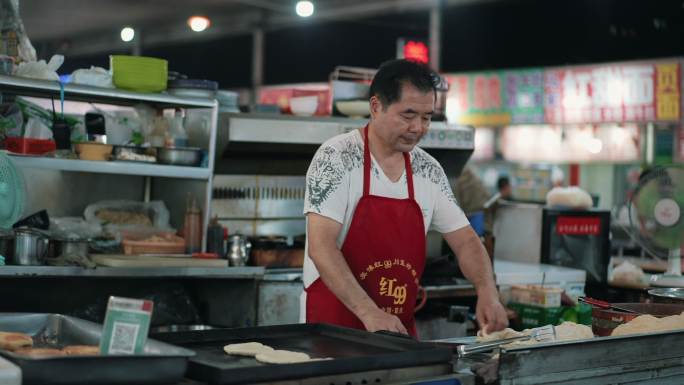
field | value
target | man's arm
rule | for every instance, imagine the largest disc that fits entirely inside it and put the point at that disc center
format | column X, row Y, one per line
column 477, row 268
column 335, row 273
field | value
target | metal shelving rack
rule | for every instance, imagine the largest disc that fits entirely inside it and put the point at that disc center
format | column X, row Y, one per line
column 51, row 89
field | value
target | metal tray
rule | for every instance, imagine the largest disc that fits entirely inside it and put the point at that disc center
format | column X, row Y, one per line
column 160, row 364
column 351, row 351
column 655, row 358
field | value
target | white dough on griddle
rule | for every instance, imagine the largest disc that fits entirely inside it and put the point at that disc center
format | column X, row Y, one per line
column 282, row 357
column 249, row 349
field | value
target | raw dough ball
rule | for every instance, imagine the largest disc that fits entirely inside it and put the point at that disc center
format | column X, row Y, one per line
column 568, row 331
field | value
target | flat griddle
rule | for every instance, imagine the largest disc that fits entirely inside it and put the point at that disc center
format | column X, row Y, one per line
column 351, row 351
column 160, row 364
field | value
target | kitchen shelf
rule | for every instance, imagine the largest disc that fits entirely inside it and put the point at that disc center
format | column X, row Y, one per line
column 46, row 88
column 127, row 272
column 113, row 167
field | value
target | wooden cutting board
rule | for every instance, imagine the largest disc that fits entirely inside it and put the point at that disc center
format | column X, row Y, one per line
column 155, row 261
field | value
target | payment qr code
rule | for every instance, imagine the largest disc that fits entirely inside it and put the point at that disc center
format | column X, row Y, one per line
column 124, row 335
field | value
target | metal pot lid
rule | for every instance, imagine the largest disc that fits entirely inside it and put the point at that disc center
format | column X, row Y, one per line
column 72, row 238
column 675, row 293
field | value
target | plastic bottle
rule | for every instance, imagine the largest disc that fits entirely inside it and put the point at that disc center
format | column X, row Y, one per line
column 192, row 227
column 178, row 136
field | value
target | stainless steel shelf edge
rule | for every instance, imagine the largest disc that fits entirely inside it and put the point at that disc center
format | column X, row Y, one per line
column 43, row 88
column 141, row 272
column 260, row 128
column 122, row 168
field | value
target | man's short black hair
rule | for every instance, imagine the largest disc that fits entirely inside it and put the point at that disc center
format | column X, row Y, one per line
column 503, row 182
column 393, row 74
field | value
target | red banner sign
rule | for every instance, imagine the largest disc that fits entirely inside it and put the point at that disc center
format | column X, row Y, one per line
column 578, row 226
column 613, row 93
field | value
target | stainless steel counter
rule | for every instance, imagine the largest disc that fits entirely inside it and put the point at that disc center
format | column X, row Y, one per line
column 126, row 272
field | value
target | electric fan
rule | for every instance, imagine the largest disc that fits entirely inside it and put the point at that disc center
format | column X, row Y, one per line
column 657, row 219
column 12, row 192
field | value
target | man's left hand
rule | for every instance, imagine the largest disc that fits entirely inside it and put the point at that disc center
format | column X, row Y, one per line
column 490, row 313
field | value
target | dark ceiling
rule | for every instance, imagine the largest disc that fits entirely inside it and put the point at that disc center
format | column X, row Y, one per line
column 476, row 36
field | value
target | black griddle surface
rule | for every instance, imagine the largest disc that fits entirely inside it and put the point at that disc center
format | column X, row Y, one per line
column 351, row 351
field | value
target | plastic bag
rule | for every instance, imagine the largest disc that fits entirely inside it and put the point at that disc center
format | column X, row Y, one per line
column 74, row 228
column 93, row 76
column 11, row 24
column 569, row 197
column 40, row 69
column 31, row 110
column 121, row 126
column 11, row 120
column 119, row 215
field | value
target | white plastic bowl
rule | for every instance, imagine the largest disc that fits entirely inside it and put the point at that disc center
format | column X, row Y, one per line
column 304, row 105
column 353, row 108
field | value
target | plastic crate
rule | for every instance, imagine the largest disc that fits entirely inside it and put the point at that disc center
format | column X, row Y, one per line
column 30, row 146
column 531, row 316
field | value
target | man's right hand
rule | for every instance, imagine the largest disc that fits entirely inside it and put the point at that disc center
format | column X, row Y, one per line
column 375, row 319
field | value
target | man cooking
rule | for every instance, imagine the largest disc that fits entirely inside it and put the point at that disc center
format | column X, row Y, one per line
column 371, row 195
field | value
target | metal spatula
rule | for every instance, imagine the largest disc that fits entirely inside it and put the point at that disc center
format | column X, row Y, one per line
column 542, row 334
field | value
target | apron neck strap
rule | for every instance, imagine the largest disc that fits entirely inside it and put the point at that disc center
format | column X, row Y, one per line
column 367, row 167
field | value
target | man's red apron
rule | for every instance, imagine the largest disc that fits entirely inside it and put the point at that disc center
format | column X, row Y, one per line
column 385, row 250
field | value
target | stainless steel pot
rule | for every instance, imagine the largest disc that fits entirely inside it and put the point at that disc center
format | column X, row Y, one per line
column 30, row 247
column 180, row 156
column 238, row 250
column 74, row 247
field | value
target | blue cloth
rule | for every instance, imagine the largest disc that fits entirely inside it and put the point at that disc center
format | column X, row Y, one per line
column 477, row 221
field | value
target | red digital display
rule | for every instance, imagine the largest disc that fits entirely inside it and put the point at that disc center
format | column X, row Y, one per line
column 417, row 50
column 578, row 226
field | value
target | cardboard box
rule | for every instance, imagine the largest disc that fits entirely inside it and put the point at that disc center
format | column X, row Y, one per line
column 547, row 297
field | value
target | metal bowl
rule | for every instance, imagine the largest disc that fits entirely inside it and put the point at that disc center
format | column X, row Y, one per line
column 180, row 156
column 605, row 320
column 667, row 295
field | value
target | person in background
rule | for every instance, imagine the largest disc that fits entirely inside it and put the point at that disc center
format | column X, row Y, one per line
column 371, row 195
column 503, row 185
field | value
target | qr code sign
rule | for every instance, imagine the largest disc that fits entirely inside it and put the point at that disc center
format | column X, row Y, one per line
column 124, row 335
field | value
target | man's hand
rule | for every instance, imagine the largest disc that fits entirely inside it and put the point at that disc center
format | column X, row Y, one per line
column 375, row 319
column 490, row 313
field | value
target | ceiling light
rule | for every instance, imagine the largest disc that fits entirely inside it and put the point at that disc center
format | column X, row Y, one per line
column 199, row 23
column 304, row 8
column 127, row 34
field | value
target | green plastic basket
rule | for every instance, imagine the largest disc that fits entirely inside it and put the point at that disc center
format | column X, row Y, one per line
column 139, row 73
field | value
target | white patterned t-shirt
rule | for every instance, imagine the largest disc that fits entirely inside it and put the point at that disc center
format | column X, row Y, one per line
column 334, row 185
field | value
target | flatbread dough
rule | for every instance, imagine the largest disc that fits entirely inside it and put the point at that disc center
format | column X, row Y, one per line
column 81, row 350
column 13, row 341
column 248, row 349
column 649, row 324
column 282, row 357
column 40, row 352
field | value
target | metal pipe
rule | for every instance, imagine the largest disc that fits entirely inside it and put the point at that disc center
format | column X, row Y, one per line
column 436, row 36
column 136, row 50
column 257, row 62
